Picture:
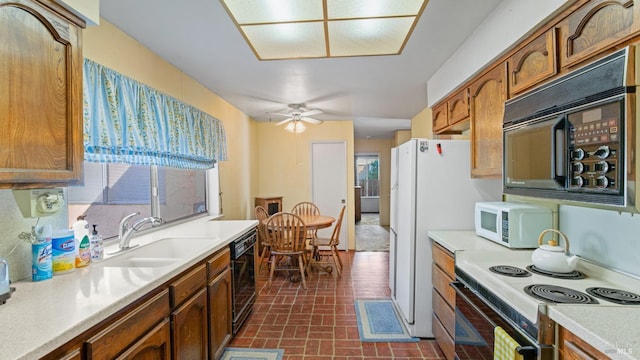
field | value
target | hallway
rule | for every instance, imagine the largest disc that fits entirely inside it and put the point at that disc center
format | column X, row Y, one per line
column 320, row 323
column 370, row 236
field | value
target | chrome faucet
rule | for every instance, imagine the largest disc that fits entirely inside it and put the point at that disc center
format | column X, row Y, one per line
column 125, row 232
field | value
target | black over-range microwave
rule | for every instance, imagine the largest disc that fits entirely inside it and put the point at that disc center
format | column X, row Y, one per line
column 574, row 138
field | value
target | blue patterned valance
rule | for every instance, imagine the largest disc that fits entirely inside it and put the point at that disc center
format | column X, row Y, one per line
column 129, row 122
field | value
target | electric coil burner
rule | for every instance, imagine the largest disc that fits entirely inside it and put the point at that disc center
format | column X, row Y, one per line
column 508, row 270
column 615, row 295
column 574, row 275
column 559, row 294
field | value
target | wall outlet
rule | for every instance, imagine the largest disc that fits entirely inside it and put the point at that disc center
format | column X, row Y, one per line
column 36, row 203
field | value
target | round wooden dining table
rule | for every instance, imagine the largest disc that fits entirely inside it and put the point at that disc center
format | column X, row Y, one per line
column 313, row 221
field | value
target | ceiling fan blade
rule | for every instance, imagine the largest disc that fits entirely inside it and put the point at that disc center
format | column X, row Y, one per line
column 279, row 114
column 284, row 121
column 310, row 120
column 311, row 112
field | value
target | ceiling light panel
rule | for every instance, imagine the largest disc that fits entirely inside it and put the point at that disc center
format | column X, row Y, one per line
column 285, row 41
column 368, row 36
column 270, row 11
column 288, row 29
column 341, row 9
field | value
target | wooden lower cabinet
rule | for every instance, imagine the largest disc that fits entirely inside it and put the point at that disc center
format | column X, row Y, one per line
column 571, row 347
column 190, row 323
column 188, row 317
column 220, row 316
column 120, row 335
column 156, row 345
column 444, row 304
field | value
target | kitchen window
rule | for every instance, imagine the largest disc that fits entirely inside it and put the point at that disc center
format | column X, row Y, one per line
column 113, row 190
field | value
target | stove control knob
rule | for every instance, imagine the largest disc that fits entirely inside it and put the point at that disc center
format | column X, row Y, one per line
column 602, row 167
column 602, row 182
column 577, row 181
column 603, row 152
column 578, row 168
column 577, row 154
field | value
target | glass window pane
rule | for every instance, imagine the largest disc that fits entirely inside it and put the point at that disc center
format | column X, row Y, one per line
column 367, row 175
column 182, row 192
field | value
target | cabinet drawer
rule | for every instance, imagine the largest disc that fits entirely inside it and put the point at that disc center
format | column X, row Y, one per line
column 154, row 345
column 187, row 285
column 443, row 339
column 218, row 263
column 572, row 347
column 110, row 342
column 444, row 259
column 445, row 314
column 441, row 285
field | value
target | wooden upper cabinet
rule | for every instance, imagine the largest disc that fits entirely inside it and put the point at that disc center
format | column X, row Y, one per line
column 458, row 106
column 449, row 115
column 597, row 25
column 440, row 120
column 487, row 97
column 41, row 102
column 533, row 63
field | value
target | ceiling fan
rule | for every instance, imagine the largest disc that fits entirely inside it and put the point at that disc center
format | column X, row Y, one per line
column 296, row 116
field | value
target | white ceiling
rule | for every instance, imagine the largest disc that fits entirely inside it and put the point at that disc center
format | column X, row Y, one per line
column 379, row 93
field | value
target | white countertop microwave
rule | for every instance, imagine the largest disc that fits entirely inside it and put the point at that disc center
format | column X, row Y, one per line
column 514, row 225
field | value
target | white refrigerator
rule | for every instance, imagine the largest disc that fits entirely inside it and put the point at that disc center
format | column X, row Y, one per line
column 431, row 189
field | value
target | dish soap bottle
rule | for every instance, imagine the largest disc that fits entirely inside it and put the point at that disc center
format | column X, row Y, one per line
column 97, row 250
column 81, row 235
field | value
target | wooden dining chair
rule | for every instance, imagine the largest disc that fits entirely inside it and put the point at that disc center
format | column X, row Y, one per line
column 264, row 246
column 328, row 247
column 286, row 233
column 307, row 208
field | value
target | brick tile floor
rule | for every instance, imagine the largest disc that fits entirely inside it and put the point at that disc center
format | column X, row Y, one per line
column 320, row 323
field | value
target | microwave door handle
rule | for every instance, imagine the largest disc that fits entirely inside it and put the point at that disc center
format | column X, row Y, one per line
column 559, row 168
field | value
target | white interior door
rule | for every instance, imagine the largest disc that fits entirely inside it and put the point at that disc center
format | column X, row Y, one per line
column 329, row 183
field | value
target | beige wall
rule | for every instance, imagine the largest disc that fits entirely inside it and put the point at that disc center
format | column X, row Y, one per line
column 382, row 147
column 284, row 164
column 422, row 125
column 401, row 136
column 89, row 10
column 107, row 45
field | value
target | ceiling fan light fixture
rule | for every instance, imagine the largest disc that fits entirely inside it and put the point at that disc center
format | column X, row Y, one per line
column 295, row 127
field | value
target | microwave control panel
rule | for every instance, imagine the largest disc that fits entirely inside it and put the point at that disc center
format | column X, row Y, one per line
column 595, row 140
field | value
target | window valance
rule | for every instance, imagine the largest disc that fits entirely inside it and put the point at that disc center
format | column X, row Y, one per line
column 126, row 121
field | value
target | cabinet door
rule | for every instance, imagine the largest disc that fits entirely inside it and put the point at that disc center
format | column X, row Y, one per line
column 458, row 106
column 220, row 321
column 597, row 25
column 487, row 97
column 440, row 120
column 41, row 102
column 156, row 345
column 532, row 64
column 190, row 328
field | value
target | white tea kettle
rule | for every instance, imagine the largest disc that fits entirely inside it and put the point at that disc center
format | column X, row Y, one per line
column 553, row 258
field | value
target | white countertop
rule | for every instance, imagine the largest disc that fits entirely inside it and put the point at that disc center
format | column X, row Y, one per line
column 41, row 316
column 612, row 330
